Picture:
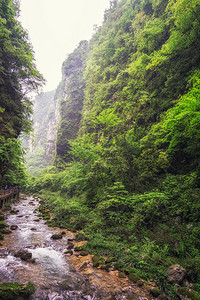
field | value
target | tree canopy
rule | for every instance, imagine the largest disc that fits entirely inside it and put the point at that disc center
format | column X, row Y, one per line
column 18, row 75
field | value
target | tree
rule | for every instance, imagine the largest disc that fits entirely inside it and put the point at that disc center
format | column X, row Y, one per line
column 18, row 73
column 18, row 76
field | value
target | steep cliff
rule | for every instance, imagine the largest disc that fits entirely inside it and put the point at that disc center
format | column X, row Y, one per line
column 71, row 95
column 41, row 144
column 130, row 117
column 52, row 126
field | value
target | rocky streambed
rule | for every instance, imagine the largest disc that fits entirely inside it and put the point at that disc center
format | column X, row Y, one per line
column 30, row 253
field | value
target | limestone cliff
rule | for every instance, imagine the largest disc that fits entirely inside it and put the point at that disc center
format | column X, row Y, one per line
column 41, row 144
column 71, row 95
column 52, row 125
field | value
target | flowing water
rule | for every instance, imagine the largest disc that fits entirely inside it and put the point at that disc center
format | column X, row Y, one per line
column 51, row 271
column 52, row 274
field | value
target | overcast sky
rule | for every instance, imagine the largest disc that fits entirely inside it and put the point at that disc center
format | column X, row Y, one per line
column 56, row 27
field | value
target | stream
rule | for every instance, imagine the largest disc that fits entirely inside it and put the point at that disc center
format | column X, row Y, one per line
column 52, row 272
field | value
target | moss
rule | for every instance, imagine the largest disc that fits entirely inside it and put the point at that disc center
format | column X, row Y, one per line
column 155, row 292
column 96, row 264
column 83, row 253
column 12, row 291
column 97, row 261
column 69, row 252
column 1, row 237
column 56, row 236
column 79, row 248
column 24, row 255
column 133, row 277
column 186, row 292
column 2, row 218
column 110, row 260
column 50, row 223
column 13, row 212
column 140, row 282
column 3, row 224
column 122, row 275
column 96, row 258
column 5, row 231
column 46, row 216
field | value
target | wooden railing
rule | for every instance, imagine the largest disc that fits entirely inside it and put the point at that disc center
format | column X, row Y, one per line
column 7, row 196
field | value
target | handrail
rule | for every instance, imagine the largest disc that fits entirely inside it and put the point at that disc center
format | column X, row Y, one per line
column 8, row 195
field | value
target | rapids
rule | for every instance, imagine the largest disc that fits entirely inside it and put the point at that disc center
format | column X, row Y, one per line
column 54, row 274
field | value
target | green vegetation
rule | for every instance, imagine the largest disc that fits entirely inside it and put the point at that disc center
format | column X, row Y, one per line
column 131, row 182
column 12, row 291
column 71, row 92
column 127, row 167
column 18, row 75
column 36, row 156
column 35, row 161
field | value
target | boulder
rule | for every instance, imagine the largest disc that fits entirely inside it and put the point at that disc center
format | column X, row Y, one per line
column 69, row 252
column 56, row 236
column 133, row 277
column 185, row 293
column 23, row 254
column 14, row 291
column 175, row 273
column 155, row 292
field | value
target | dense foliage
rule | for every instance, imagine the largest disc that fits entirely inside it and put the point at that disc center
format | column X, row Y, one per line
column 18, row 76
column 36, row 157
column 71, row 100
column 133, row 180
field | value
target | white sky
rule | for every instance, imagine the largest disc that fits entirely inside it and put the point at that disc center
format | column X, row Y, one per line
column 55, row 29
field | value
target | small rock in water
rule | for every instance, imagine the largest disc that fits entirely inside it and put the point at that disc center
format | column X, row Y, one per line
column 56, row 236
column 70, row 252
column 23, row 254
column 14, row 212
column 13, row 227
column 70, row 239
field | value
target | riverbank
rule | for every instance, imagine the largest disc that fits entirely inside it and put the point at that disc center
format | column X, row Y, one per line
column 53, row 270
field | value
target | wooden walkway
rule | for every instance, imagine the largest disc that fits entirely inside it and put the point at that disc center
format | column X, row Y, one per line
column 7, row 196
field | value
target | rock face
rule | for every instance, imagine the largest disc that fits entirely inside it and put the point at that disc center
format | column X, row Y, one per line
column 53, row 120
column 71, row 95
column 41, row 144
column 175, row 273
